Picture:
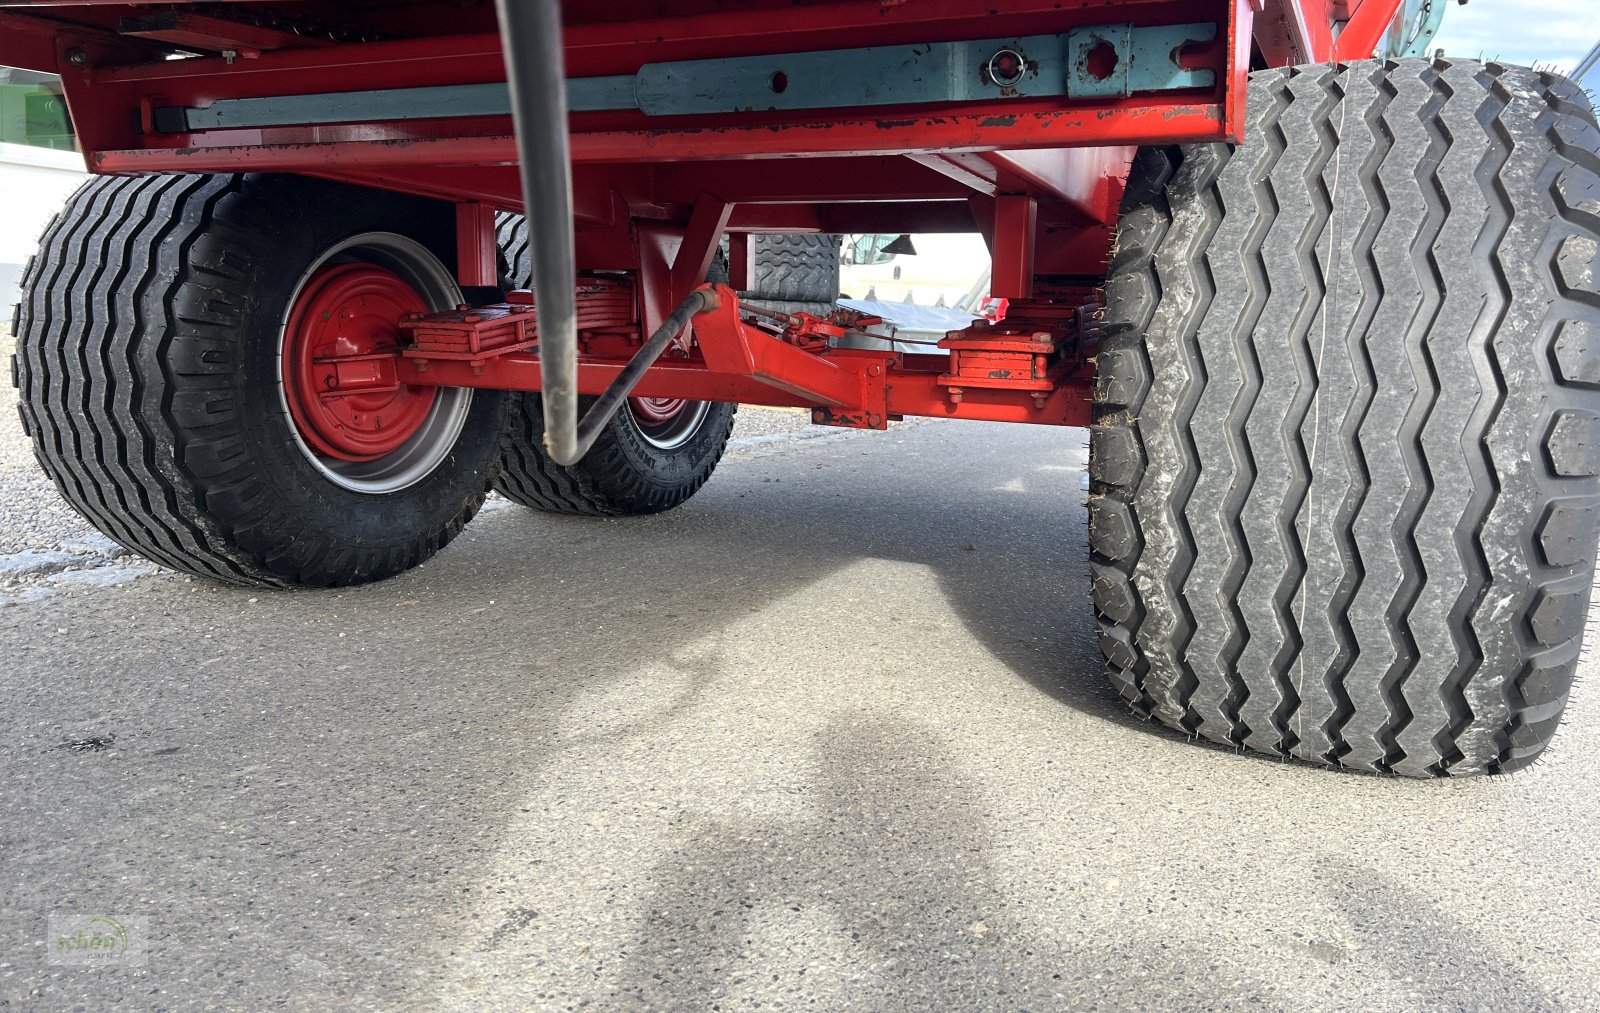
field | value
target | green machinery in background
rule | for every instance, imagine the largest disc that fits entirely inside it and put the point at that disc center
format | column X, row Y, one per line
column 32, row 111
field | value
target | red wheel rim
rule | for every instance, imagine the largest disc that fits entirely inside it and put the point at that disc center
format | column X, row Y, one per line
column 338, row 363
column 656, row 411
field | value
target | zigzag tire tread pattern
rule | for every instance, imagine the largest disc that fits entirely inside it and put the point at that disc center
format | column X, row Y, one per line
column 1346, row 452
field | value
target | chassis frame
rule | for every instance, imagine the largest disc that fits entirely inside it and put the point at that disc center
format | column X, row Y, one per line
column 696, row 123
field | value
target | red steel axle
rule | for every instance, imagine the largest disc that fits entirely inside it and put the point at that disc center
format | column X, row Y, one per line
column 1031, row 369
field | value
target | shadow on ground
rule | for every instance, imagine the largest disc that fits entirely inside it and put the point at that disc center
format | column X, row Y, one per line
column 311, row 796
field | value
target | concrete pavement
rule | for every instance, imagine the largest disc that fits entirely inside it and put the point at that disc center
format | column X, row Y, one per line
column 834, row 735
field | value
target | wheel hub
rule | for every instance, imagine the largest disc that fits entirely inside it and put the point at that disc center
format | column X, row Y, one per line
column 656, row 411
column 339, row 354
column 667, row 422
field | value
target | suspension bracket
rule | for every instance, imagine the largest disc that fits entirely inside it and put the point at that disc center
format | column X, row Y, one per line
column 1033, row 368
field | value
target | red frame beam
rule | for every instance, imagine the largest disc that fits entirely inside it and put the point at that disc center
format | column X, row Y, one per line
column 623, row 137
column 733, row 361
column 741, row 261
column 701, row 238
column 1016, row 230
column 1041, row 178
column 1366, row 28
column 217, row 35
column 1124, row 123
column 1294, row 31
column 477, row 253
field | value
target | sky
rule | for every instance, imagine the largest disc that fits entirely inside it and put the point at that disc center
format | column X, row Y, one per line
column 1546, row 32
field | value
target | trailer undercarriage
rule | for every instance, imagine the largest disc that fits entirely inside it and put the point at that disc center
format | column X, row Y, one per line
column 1329, row 310
column 693, row 127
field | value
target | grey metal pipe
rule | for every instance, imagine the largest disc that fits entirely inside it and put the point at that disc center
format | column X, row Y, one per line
column 606, row 405
column 530, row 33
column 1583, row 68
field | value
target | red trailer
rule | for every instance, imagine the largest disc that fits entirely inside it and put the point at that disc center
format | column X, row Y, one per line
column 1328, row 306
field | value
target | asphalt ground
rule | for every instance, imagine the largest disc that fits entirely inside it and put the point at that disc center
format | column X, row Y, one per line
column 832, row 736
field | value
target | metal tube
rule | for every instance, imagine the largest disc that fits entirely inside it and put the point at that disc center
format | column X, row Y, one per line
column 530, row 32
column 775, row 315
column 606, row 405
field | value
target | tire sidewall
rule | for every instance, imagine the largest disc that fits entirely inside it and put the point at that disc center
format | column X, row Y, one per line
column 623, row 473
column 663, row 468
column 320, row 506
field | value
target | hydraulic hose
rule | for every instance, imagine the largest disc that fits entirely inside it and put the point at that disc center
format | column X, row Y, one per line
column 606, row 405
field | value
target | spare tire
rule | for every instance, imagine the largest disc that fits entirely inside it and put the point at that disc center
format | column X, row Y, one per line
column 795, row 273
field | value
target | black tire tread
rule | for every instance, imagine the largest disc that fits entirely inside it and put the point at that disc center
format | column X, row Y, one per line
column 128, row 339
column 609, row 481
column 795, row 272
column 606, row 483
column 1344, row 501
